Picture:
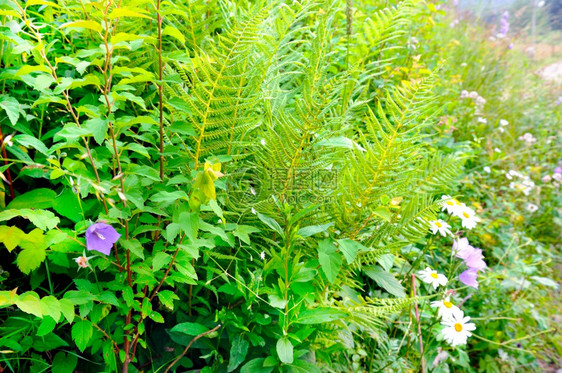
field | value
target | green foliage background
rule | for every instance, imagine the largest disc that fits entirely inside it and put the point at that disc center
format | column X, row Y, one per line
column 272, row 167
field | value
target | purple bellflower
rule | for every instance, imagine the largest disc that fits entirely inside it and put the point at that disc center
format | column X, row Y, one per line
column 469, row 276
column 101, row 237
column 504, row 25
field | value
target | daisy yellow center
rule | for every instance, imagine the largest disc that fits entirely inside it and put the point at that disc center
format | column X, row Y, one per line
column 450, row 203
column 434, row 275
column 438, row 224
column 458, row 327
column 448, row 304
column 465, row 215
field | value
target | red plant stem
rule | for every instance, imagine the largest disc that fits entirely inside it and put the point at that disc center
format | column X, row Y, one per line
column 419, row 325
column 8, row 174
column 189, row 345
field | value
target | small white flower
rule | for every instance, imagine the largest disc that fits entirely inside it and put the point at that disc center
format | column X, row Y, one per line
column 531, row 207
column 503, row 355
column 83, row 261
column 497, row 150
column 482, row 120
column 457, row 328
column 546, row 179
column 487, row 169
column 430, row 276
column 464, row 93
column 557, row 177
column 473, row 94
column 262, row 141
column 262, row 255
column 446, row 308
column 8, row 140
column 468, row 217
column 503, row 122
column 254, row 211
column 253, row 191
column 440, row 226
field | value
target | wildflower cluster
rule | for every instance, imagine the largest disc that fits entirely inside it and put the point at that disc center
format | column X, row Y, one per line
column 520, row 182
column 479, row 101
column 528, row 138
column 556, row 176
column 457, row 327
column 504, row 25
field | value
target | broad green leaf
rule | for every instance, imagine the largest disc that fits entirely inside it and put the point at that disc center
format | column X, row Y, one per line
column 165, row 198
column 313, row 229
column 30, row 259
column 11, row 236
column 29, row 303
column 126, row 12
column 47, row 325
column 285, row 350
column 320, row 315
column 167, row 298
column 256, row 366
column 189, row 328
column 67, row 309
column 329, row 258
column 385, row 280
column 349, row 248
column 29, row 141
column 63, row 363
column 97, row 127
column 383, row 213
column 51, row 306
column 90, row 25
column 160, row 260
column 189, row 223
column 67, row 205
column 82, row 332
column 41, row 198
column 11, row 106
column 271, row 223
column 42, row 219
column 238, row 352
column 174, row 32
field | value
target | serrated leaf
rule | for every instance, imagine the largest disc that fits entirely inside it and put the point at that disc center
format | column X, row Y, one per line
column 125, row 12
column 42, row 219
column 160, row 260
column 11, row 236
column 29, row 303
column 67, row 309
column 82, row 332
column 167, row 298
column 51, row 306
column 30, row 259
column 47, row 325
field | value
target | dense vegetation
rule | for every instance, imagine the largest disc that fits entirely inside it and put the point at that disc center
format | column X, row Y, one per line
column 261, row 186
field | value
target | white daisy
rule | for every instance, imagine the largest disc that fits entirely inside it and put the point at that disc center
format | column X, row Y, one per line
column 468, row 217
column 457, row 328
column 440, row 226
column 430, row 276
column 262, row 255
column 446, row 308
column 452, row 205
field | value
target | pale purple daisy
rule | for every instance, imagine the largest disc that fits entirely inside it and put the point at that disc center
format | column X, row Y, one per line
column 101, row 237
